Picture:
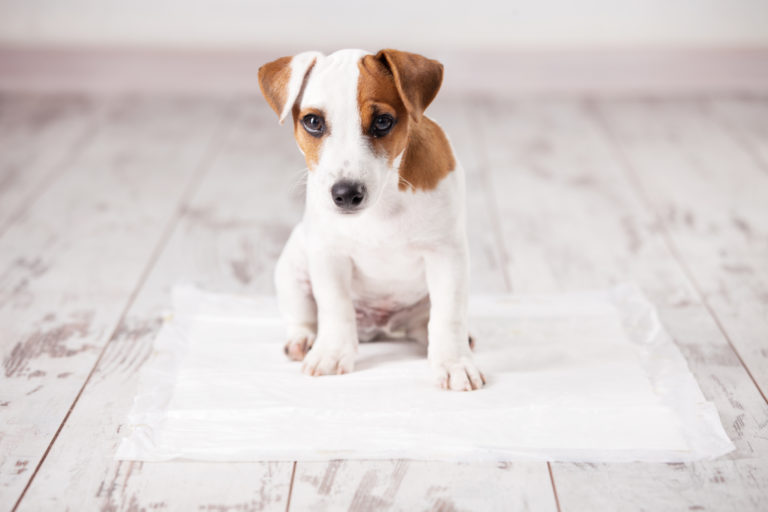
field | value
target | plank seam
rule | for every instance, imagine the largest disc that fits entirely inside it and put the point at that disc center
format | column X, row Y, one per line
column 631, row 174
column 290, row 488
column 554, row 487
column 204, row 164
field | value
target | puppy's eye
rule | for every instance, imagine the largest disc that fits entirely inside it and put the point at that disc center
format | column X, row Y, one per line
column 382, row 124
column 314, row 124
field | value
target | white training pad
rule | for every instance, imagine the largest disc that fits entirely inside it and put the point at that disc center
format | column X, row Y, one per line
column 578, row 377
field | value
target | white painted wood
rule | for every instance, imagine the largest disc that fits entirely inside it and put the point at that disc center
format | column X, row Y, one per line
column 571, row 220
column 227, row 239
column 38, row 136
column 712, row 197
column 68, row 266
column 421, row 485
column 717, row 485
column 746, row 120
column 134, row 486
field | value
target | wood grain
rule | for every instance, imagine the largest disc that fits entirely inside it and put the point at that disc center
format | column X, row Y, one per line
column 701, row 486
column 745, row 119
column 39, row 135
column 421, row 485
column 572, row 220
column 227, row 238
column 711, row 198
column 69, row 265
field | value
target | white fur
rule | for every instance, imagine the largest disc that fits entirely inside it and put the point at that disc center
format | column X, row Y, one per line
column 299, row 65
column 404, row 257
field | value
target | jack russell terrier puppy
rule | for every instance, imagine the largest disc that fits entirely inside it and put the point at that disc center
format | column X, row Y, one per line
column 382, row 248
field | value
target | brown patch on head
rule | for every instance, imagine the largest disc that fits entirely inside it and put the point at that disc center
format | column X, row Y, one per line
column 273, row 82
column 402, row 85
column 428, row 158
column 417, row 79
column 377, row 94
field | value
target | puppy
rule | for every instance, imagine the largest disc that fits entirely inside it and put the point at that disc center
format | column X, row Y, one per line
column 381, row 250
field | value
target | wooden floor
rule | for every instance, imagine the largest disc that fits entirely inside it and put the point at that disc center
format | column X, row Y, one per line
column 106, row 203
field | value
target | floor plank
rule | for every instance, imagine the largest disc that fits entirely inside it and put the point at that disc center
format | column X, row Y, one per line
column 421, row 485
column 746, row 120
column 711, row 198
column 69, row 265
column 719, row 485
column 39, row 135
column 227, row 239
column 571, row 220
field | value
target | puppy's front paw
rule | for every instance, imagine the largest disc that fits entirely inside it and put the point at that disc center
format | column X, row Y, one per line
column 297, row 348
column 459, row 374
column 300, row 340
column 324, row 360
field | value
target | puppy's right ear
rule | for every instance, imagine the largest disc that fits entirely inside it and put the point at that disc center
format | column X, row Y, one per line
column 282, row 81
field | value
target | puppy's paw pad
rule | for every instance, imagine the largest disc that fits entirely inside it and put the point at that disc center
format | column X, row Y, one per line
column 459, row 375
column 296, row 348
column 325, row 362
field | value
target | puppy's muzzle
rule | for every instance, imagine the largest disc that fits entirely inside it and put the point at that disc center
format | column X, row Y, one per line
column 348, row 195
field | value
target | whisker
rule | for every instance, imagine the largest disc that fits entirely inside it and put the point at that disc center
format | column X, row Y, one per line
column 301, row 180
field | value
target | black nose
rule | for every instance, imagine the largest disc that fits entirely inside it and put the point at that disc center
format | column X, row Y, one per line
column 348, row 195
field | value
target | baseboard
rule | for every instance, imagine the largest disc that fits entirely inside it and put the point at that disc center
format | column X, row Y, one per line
column 522, row 72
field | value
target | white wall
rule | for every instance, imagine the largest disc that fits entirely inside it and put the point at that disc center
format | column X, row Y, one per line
column 328, row 24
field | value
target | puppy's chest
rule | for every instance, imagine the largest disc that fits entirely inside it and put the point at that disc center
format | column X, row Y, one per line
column 387, row 254
column 390, row 271
column 385, row 283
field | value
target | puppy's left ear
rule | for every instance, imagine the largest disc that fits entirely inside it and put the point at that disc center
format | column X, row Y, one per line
column 282, row 81
column 417, row 79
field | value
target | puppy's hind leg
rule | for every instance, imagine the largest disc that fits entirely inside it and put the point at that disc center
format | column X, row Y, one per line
column 294, row 296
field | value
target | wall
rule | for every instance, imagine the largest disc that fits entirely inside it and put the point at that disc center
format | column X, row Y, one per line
column 413, row 24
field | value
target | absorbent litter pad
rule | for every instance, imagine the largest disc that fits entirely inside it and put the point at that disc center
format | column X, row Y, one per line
column 571, row 377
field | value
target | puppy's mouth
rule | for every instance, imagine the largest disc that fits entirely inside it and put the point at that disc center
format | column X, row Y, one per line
column 349, row 196
column 355, row 211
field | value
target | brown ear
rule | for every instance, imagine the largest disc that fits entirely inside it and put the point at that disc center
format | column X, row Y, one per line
column 273, row 82
column 282, row 81
column 417, row 79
